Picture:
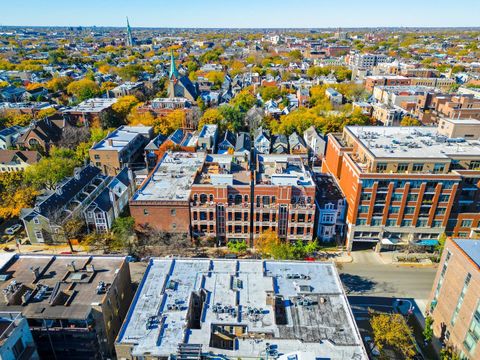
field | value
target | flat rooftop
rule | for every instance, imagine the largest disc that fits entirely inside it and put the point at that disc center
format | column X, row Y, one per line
column 224, row 169
column 93, row 105
column 235, row 307
column 282, row 169
column 471, row 248
column 56, row 287
column 118, row 139
column 172, row 178
column 412, row 142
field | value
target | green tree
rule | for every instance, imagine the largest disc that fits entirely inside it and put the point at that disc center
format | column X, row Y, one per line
column 50, row 170
column 237, row 246
column 244, row 100
column 130, row 72
column 83, row 89
column 428, row 330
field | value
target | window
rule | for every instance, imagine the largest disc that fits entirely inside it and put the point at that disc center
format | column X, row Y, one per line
column 460, row 299
column 366, row 196
column 38, row 235
column 402, row 167
column 391, row 222
column 328, row 218
column 361, row 222
column 394, row 209
column 437, row 223
column 381, row 167
column 173, row 212
column 376, row 221
column 412, row 197
column 444, row 198
column 407, row 223
column 417, row 167
column 397, row 197
column 96, row 157
column 363, row 209
column 467, row 223
column 145, row 212
column 37, row 221
column 438, row 168
column 474, row 165
column 18, row 349
column 409, row 210
column 422, row 223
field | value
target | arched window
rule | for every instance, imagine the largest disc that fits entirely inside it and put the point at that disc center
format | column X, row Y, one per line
column 238, row 199
column 203, row 198
column 211, row 197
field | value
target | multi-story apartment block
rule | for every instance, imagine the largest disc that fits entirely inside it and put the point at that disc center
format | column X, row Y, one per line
column 433, row 106
column 283, row 197
column 74, row 305
column 366, row 61
column 122, row 147
column 213, row 195
column 90, row 111
column 163, row 200
column 454, row 302
column 401, row 183
column 221, row 199
column 386, row 80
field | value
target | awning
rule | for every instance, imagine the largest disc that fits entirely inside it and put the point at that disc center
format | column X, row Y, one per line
column 431, row 242
column 387, row 241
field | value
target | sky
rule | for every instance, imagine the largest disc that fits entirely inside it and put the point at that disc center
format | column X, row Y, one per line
column 242, row 13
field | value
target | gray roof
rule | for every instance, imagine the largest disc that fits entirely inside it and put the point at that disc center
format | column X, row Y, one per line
column 471, row 248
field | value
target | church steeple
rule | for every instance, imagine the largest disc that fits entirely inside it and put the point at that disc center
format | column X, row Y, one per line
column 173, row 68
column 129, row 35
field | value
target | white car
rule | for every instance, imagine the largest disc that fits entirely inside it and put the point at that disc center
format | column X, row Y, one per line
column 13, row 229
column 371, row 346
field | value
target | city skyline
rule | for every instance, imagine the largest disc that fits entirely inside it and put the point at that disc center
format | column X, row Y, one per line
column 214, row 14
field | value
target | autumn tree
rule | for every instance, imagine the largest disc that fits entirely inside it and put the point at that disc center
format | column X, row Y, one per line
column 58, row 83
column 170, row 122
column 392, row 330
column 244, row 100
column 83, row 89
column 130, row 72
column 124, row 105
column 215, row 77
column 410, row 121
column 46, row 113
column 15, row 194
column 137, row 117
column 269, row 93
column 211, row 116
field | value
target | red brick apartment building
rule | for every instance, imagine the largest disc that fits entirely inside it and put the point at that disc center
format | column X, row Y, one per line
column 283, row 197
column 454, row 302
column 212, row 195
column 386, row 80
column 403, row 184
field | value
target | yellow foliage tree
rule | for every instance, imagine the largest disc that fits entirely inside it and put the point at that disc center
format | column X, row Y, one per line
column 211, row 116
column 46, row 113
column 124, row 105
column 392, row 330
column 83, row 89
column 58, row 83
column 169, row 123
column 33, row 86
column 136, row 117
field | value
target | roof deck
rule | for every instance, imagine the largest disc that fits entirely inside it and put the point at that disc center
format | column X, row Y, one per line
column 282, row 170
column 224, row 169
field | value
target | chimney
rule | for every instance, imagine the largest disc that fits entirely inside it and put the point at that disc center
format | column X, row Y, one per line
column 35, row 271
column 71, row 266
column 110, row 142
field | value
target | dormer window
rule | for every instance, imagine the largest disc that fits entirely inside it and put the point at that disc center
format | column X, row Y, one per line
column 36, row 220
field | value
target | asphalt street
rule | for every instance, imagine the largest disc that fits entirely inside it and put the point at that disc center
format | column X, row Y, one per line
column 368, row 276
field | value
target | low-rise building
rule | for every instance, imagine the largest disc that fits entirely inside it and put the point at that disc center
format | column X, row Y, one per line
column 331, row 209
column 334, row 96
column 454, row 302
column 239, row 309
column 16, row 341
column 122, row 147
column 9, row 136
column 74, row 305
column 90, row 110
column 17, row 160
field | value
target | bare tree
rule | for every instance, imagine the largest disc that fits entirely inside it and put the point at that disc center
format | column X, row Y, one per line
column 72, row 136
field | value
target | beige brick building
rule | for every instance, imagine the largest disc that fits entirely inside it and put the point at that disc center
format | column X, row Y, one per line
column 455, row 298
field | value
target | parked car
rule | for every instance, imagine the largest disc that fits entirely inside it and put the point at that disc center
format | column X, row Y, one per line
column 13, row 229
column 370, row 344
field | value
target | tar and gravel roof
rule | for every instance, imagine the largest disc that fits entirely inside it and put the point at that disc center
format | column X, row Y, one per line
column 412, row 142
column 158, row 317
